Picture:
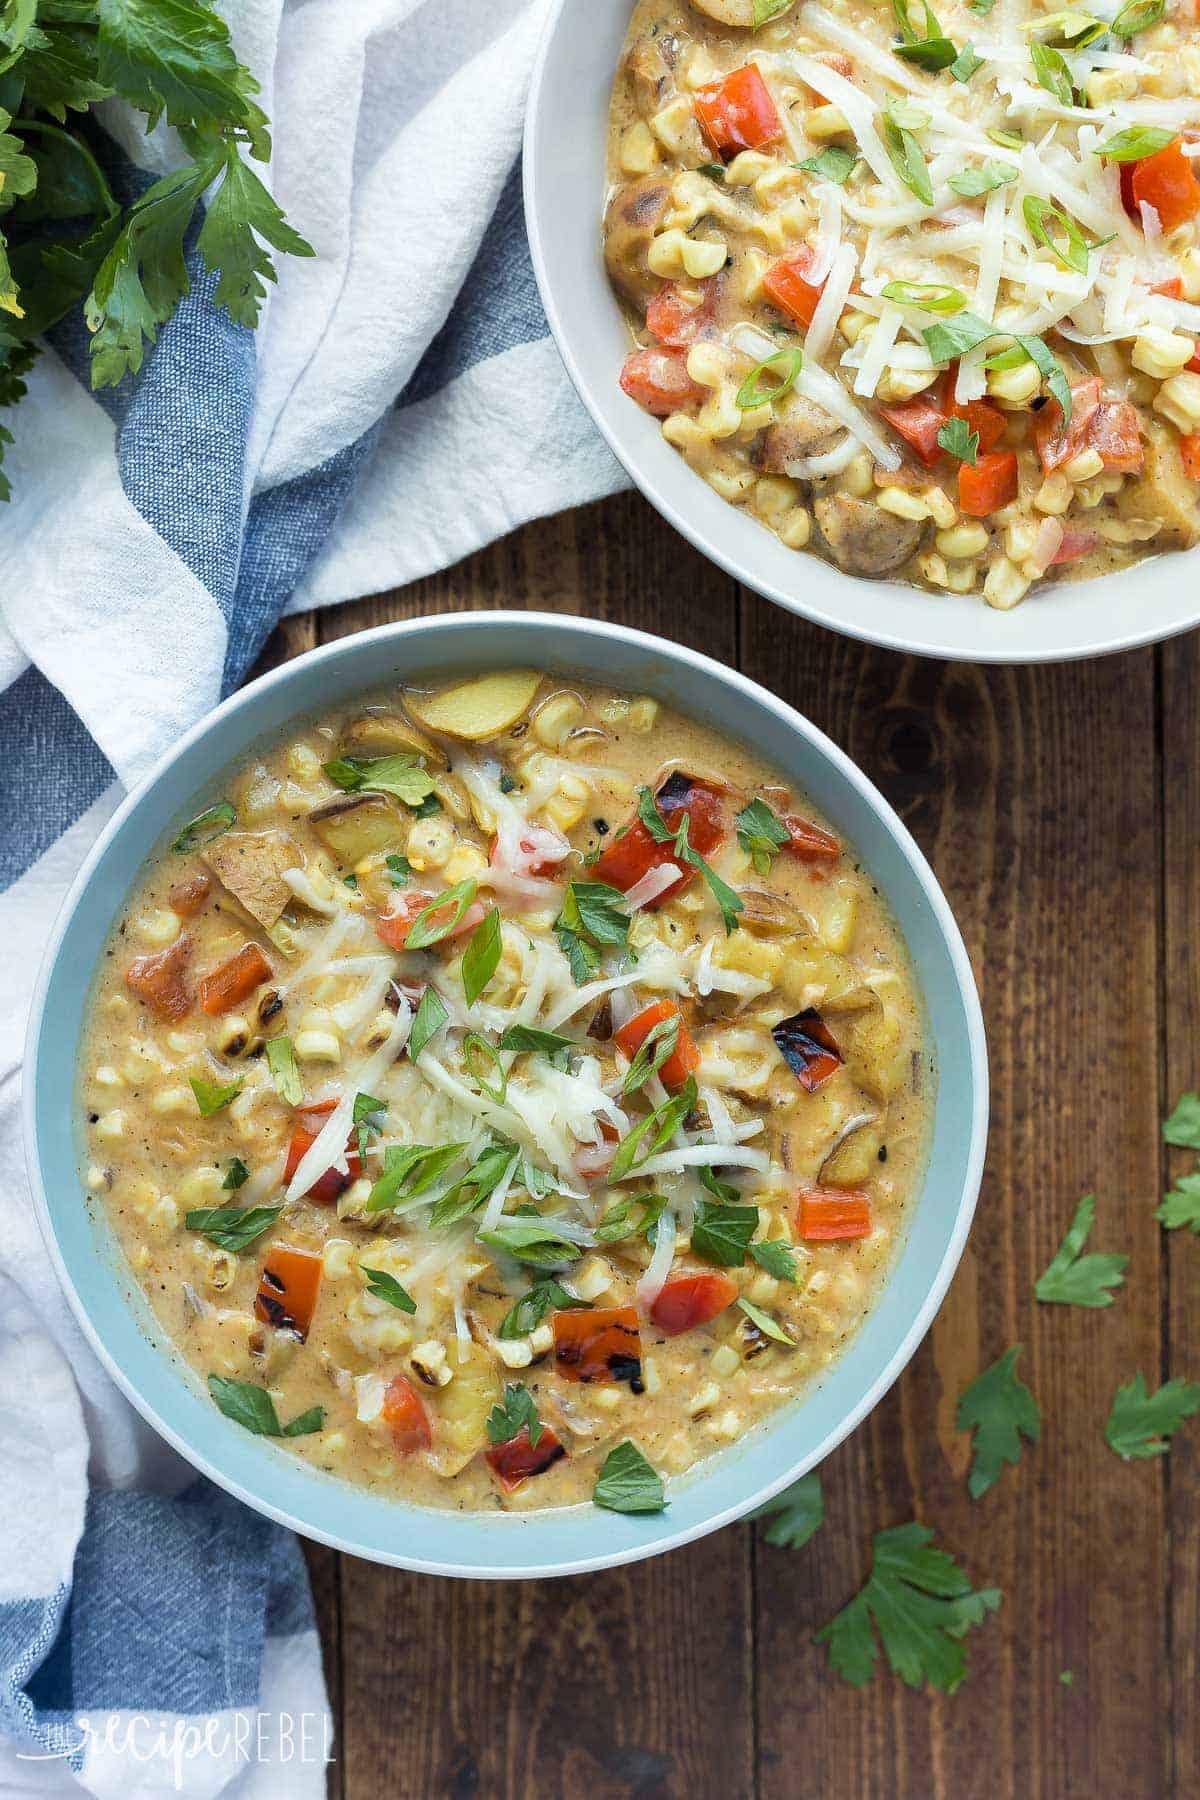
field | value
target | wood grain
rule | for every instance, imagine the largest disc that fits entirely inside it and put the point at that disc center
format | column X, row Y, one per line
column 1058, row 808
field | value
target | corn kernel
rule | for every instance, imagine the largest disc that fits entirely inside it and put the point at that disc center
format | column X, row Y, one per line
column 902, row 384
column 514, row 1353
column 747, row 167
column 727, row 1425
column 158, row 928
column 606, row 1398
column 639, row 153
column 566, row 807
column 1103, row 86
column 1004, row 586
column 703, row 1400
column 557, row 716
column 823, row 123
column 942, row 509
column 1161, row 353
column 108, row 1077
column 968, row 539
column 774, row 496
column 795, row 528
column 172, row 1101
column 853, row 324
column 1054, row 496
column 732, row 485
column 1084, row 467
column 725, row 1361
column 1179, row 400
column 642, row 715
column 902, row 503
column 1014, row 387
column 763, row 1289
column 337, row 1258
column 708, row 364
column 430, row 842
column 592, row 1278
column 163, row 1218
column 303, row 762
column 316, row 1045
column 858, row 477
column 674, row 124
column 703, row 256
column 110, row 1126
column 837, row 927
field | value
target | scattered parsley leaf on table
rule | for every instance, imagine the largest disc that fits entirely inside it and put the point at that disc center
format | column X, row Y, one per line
column 795, row 1514
column 1000, row 1409
column 1073, row 1279
column 1140, row 1422
column 1182, row 1205
column 922, row 1605
column 1183, row 1126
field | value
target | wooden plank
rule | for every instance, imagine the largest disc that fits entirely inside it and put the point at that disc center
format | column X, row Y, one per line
column 1035, row 795
column 1181, row 1253
column 633, row 1682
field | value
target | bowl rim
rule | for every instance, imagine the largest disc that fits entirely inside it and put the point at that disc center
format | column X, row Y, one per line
column 657, row 649
column 692, row 522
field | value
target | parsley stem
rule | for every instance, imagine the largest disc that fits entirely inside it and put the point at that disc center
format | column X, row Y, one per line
column 105, row 193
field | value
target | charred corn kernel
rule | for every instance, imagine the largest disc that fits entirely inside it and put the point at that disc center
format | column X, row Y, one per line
column 337, row 1258
column 643, row 714
column 1161, row 353
column 853, row 324
column 592, row 1278
column 430, row 842
column 774, row 495
column 1014, row 387
column 857, row 477
column 1179, row 400
column 110, row 1126
column 158, row 928
column 464, row 862
column 1103, row 86
column 708, row 364
column 607, row 1399
column 555, row 717
column 234, row 1036
column 1084, row 467
column 163, row 1217
column 837, row 927
column 902, row 384
column 823, row 123
column 639, row 152
column 171, row 1102
column 303, row 762
column 903, row 503
column 795, row 528
column 727, row 1424
column 697, row 257
column 220, row 1270
column 1054, row 496
column 967, row 539
column 674, row 124
column 108, row 1077
column 429, row 1362
column 725, row 1361
column 1128, row 531
column 747, row 167
column 748, row 955
column 514, row 1353
column 732, row 484
column 704, row 1399
column 1004, row 585
column 763, row 1289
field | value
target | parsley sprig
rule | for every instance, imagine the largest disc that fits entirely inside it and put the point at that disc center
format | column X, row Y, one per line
column 662, row 833
column 1000, row 1410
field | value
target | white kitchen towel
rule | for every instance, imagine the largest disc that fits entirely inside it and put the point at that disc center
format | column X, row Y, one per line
column 401, row 404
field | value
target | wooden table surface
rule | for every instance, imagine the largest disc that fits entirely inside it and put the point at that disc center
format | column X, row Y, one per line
column 1060, row 810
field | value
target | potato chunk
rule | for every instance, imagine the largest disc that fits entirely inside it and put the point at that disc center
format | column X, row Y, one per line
column 359, row 825
column 250, row 864
column 463, row 1406
column 390, row 734
column 477, row 709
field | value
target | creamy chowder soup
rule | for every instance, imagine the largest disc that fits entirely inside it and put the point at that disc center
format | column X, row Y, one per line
column 507, row 1092
column 920, row 288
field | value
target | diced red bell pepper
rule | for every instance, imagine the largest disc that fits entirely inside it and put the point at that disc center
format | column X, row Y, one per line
column 841, row 65
column 518, row 1459
column 809, row 1048
column 1056, row 446
column 326, row 1188
column 287, row 1289
column 737, row 112
column 1172, row 288
column 1113, row 431
column 394, row 925
column 1189, row 449
column 980, row 415
column 161, row 979
column 788, row 288
column 683, row 1061
column 827, row 1215
column 633, row 852
column 659, row 381
column 674, row 322
column 602, row 1344
column 230, row 984
column 1074, row 545
column 1166, row 182
column 690, row 1300
column 988, row 484
column 918, row 422
column 1194, row 365
column 187, row 897
column 809, row 842
column 405, row 1416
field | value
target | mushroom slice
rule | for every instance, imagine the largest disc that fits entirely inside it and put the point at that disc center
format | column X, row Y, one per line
column 358, row 825
column 390, row 734
column 854, row 1153
column 251, row 865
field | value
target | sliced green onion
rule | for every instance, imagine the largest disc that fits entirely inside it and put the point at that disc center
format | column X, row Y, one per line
column 783, row 364
column 1052, row 72
column 1135, row 144
column 1136, row 16
column 931, row 297
column 429, row 928
column 482, row 1059
column 1057, row 232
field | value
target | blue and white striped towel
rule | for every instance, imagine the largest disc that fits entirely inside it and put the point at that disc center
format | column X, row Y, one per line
column 382, row 424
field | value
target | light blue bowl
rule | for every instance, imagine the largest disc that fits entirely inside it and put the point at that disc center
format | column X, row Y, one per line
column 567, row 1540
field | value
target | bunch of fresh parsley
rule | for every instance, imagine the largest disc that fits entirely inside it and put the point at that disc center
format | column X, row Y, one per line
column 64, row 236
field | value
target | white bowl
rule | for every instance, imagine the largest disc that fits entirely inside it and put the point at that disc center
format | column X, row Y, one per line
column 111, row 1307
column 565, row 139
